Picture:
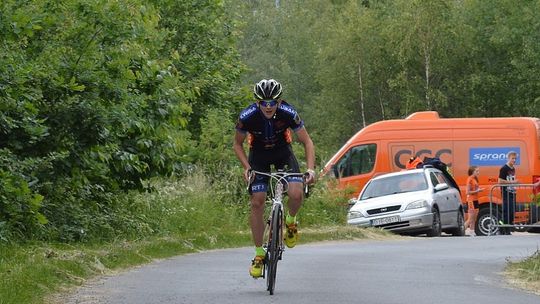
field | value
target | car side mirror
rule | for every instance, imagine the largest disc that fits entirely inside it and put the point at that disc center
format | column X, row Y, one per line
column 441, row 186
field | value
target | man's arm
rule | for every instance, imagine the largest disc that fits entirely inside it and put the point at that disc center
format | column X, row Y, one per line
column 238, row 146
column 503, row 181
column 305, row 139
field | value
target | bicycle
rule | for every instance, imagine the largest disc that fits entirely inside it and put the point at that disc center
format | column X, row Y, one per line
column 274, row 224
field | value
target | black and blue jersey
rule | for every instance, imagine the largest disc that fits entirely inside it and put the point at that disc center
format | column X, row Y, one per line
column 269, row 133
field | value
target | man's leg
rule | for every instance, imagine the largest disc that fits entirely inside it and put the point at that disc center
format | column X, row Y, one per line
column 506, row 211
column 256, row 219
column 511, row 211
column 296, row 195
column 257, row 232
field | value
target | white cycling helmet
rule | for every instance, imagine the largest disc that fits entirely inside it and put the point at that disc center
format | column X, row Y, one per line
column 267, row 89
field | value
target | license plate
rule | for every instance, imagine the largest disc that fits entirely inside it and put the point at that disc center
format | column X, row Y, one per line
column 385, row 220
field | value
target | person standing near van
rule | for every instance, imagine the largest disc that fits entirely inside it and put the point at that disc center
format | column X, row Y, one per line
column 507, row 177
column 472, row 190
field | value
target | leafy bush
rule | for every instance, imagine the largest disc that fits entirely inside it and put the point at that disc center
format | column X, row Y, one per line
column 19, row 208
column 96, row 97
column 326, row 205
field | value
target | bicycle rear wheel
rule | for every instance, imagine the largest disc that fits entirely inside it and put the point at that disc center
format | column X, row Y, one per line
column 274, row 248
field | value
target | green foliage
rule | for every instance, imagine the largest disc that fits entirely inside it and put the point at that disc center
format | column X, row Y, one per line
column 97, row 97
column 186, row 206
column 325, row 207
column 215, row 142
column 19, row 208
column 352, row 62
column 203, row 37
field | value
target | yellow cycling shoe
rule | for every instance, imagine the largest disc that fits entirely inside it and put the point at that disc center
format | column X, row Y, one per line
column 291, row 235
column 257, row 267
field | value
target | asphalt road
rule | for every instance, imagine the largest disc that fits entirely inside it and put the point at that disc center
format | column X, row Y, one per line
column 410, row 270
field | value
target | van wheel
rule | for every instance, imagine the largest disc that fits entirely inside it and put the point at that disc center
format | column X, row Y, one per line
column 485, row 221
column 460, row 229
column 436, row 225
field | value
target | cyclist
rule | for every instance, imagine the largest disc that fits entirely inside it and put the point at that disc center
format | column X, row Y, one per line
column 267, row 124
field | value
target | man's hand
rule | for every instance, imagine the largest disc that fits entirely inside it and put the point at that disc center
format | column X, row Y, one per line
column 310, row 176
column 248, row 175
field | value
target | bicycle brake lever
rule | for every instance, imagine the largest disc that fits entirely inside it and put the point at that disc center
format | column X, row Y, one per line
column 306, row 190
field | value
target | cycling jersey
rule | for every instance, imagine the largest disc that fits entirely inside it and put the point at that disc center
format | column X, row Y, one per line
column 269, row 133
column 269, row 140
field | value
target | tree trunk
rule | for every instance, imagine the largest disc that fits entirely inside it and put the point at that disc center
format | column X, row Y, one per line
column 381, row 103
column 360, row 86
column 427, row 63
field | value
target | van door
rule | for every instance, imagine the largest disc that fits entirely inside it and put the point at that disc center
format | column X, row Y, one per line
column 355, row 167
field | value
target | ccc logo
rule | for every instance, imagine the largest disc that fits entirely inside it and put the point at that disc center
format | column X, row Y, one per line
column 421, row 154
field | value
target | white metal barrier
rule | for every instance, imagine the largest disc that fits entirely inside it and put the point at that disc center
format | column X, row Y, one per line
column 513, row 207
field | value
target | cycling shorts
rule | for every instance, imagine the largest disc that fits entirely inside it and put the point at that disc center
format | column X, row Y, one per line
column 281, row 158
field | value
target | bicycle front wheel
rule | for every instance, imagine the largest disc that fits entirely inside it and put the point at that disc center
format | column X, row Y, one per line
column 274, row 248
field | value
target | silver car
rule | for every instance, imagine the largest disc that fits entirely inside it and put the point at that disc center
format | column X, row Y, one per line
column 410, row 202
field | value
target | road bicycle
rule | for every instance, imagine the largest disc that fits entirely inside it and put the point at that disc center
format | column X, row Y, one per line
column 278, row 186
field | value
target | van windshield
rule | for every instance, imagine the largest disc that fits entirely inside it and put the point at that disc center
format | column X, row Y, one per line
column 395, row 184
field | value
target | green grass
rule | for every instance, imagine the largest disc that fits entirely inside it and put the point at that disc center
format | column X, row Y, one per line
column 526, row 274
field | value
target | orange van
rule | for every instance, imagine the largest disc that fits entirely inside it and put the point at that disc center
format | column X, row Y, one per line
column 386, row 146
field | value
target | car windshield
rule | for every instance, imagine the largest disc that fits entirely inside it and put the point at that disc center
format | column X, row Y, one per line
column 395, row 184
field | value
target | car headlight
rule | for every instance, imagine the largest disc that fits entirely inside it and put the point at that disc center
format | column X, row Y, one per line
column 354, row 215
column 417, row 204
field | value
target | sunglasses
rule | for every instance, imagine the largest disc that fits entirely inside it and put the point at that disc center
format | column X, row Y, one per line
column 268, row 103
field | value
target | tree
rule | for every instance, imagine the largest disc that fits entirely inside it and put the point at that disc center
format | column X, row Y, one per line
column 99, row 96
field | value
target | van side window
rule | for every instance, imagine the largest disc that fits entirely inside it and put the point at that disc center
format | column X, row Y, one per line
column 358, row 160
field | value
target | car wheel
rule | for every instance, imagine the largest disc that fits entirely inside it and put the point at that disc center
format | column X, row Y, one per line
column 436, row 225
column 460, row 229
column 485, row 221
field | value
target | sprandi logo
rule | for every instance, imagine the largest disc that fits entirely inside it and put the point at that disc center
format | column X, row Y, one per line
column 495, row 156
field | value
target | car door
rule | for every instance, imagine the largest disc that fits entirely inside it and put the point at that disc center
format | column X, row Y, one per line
column 443, row 198
column 454, row 200
column 451, row 200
